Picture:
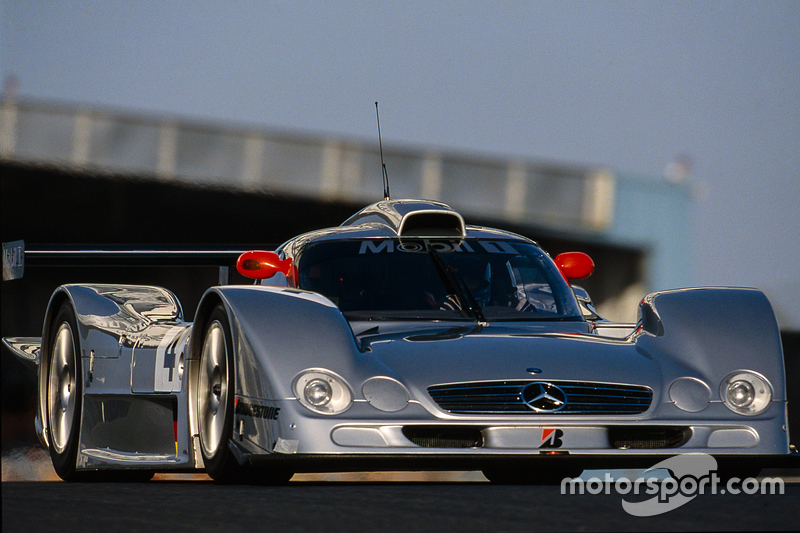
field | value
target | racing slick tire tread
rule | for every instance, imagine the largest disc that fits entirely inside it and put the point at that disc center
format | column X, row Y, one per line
column 216, row 390
column 64, row 394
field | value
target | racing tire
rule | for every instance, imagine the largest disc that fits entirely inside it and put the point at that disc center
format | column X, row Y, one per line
column 216, row 388
column 64, row 394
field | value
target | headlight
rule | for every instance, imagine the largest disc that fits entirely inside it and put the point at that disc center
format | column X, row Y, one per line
column 323, row 392
column 318, row 392
column 745, row 392
column 741, row 394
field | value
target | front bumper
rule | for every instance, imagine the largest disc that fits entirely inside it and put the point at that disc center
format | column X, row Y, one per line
column 357, row 441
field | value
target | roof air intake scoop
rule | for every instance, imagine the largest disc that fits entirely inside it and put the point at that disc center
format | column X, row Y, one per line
column 432, row 224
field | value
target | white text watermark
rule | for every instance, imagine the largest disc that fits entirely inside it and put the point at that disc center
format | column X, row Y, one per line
column 693, row 475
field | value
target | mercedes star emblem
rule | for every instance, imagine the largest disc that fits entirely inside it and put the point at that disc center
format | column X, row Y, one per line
column 543, row 397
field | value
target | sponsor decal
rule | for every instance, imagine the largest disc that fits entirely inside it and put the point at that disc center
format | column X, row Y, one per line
column 551, row 438
column 692, row 475
column 168, row 371
column 267, row 412
column 441, row 246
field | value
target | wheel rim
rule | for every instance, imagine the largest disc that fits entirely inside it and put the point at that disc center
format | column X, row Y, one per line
column 213, row 389
column 61, row 392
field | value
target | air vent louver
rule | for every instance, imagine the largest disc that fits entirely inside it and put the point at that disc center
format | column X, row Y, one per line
column 506, row 398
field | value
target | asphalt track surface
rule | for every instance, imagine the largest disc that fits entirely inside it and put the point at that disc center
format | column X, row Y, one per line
column 313, row 506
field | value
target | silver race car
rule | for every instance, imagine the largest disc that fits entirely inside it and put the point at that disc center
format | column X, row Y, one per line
column 404, row 340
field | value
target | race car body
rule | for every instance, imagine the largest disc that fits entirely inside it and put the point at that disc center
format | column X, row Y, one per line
column 405, row 339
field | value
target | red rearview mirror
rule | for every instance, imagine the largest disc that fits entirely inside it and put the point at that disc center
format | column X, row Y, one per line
column 257, row 264
column 574, row 265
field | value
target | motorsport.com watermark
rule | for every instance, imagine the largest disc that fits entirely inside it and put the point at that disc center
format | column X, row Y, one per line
column 693, row 475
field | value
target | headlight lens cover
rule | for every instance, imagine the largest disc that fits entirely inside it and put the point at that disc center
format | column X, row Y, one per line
column 322, row 391
column 690, row 394
column 745, row 392
column 385, row 394
column 318, row 392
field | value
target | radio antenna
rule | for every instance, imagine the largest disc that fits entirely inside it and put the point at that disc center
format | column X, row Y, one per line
column 383, row 165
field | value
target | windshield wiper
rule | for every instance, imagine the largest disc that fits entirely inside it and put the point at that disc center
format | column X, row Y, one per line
column 455, row 285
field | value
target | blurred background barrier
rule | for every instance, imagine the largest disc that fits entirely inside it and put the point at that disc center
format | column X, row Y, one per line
column 577, row 198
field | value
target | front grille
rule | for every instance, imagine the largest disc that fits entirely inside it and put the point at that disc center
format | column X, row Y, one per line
column 506, row 398
column 444, row 437
column 648, row 437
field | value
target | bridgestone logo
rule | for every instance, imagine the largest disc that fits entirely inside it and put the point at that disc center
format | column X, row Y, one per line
column 257, row 411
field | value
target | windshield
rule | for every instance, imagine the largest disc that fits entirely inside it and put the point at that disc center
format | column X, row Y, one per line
column 470, row 279
column 438, row 279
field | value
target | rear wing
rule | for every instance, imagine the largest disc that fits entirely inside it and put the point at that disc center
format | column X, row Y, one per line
column 16, row 256
column 27, row 349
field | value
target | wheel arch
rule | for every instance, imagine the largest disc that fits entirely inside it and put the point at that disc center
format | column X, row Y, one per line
column 57, row 299
column 206, row 306
column 210, row 300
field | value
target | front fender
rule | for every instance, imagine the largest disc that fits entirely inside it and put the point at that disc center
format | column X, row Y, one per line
column 119, row 311
column 708, row 333
column 277, row 333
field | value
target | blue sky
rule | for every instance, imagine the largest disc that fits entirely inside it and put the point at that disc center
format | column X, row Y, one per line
column 625, row 84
